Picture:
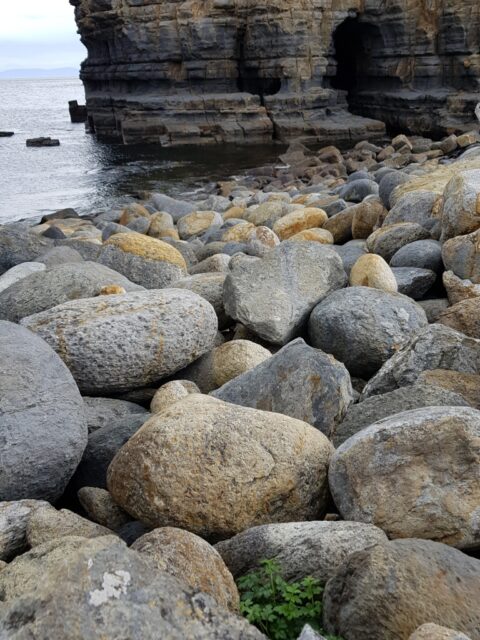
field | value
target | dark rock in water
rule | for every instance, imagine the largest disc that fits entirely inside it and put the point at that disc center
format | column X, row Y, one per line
column 6, row 134
column 61, row 214
column 298, row 381
column 78, row 112
column 43, row 142
column 42, row 420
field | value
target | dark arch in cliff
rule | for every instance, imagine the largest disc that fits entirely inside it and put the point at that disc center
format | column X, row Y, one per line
column 249, row 80
column 355, row 43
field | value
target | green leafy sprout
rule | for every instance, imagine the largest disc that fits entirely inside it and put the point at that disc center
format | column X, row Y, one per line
column 280, row 609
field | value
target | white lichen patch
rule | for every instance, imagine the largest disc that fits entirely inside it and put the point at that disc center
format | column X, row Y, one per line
column 113, row 586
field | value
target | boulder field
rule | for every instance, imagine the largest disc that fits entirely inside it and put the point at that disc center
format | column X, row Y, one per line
column 285, row 368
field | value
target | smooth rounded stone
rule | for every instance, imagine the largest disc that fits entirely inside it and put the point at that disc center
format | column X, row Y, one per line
column 133, row 211
column 462, row 256
column 296, row 221
column 45, row 523
column 42, row 418
column 267, row 213
column 340, row 225
column 434, row 308
column 422, row 254
column 390, row 475
column 359, row 175
column 111, row 228
column 140, row 225
column 218, row 263
column 363, row 327
column 88, row 250
column 241, row 467
column 416, row 206
column 371, row 270
column 435, row 347
column 367, row 216
column 457, row 289
column 149, row 262
column 334, row 207
column 262, row 238
column 388, row 184
column 225, row 362
column 387, row 240
column 414, row 282
column 192, row 560
column 19, row 243
column 100, row 412
column 414, row 396
column 14, row 517
column 273, row 295
column 349, row 253
column 106, row 590
column 388, row 591
column 313, row 235
column 162, row 226
column 101, row 508
column 176, row 208
column 46, row 289
column 432, row 631
column 171, row 392
column 210, row 287
column 240, row 232
column 197, row 222
column 464, row 317
column 21, row 271
column 123, row 342
column 187, row 249
column 358, row 190
column 102, row 447
column 297, row 381
column 301, row 549
column 466, row 385
column 59, row 255
column 461, row 204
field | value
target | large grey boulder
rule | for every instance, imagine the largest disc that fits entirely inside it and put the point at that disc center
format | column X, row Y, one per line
column 387, row 185
column 18, row 243
column 210, row 287
column 388, row 591
column 46, row 289
column 416, row 206
column 298, row 381
column 121, row 342
column 176, row 208
column 423, row 254
column 19, row 272
column 73, row 588
column 435, row 347
column 101, row 412
column 363, row 327
column 413, row 396
column 387, row 240
column 43, row 431
column 414, row 475
column 301, row 549
column 414, row 282
column 274, row 295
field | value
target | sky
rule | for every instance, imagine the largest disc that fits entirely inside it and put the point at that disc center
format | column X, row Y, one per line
column 38, row 34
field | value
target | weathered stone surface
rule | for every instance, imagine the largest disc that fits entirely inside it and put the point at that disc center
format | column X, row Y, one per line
column 298, row 381
column 436, row 347
column 417, row 206
column 313, row 235
column 149, row 262
column 371, row 270
column 171, row 392
column 465, row 384
column 273, row 296
column 193, row 224
column 100, row 412
column 301, row 549
column 19, row 272
column 366, row 216
column 42, row 419
column 350, row 253
column 434, row 307
column 414, row 282
column 46, row 289
column 143, row 336
column 462, row 256
column 422, row 254
column 210, row 287
column 241, row 467
column 18, row 243
column 364, row 327
column 59, row 255
column 14, row 518
column 45, row 523
column 101, row 508
column 107, row 591
column 463, row 316
column 390, row 475
column 300, row 220
column 414, row 396
column 388, row 591
column 461, row 205
column 387, row 240
column 192, row 560
column 431, row 631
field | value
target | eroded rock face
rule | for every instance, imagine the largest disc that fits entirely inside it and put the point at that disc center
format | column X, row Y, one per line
column 175, row 72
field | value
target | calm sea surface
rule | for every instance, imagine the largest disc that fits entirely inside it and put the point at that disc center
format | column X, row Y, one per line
column 86, row 174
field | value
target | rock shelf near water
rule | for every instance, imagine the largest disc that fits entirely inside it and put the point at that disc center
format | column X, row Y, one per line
column 284, row 367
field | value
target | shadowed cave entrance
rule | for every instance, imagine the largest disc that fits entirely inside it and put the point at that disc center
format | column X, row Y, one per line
column 249, row 80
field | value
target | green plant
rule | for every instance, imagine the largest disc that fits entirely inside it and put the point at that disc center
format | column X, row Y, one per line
column 279, row 608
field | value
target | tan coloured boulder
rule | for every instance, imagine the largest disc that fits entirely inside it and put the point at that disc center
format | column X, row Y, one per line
column 367, row 215
column 172, row 392
column 132, row 212
column 192, row 560
column 296, row 221
column 340, row 225
column 148, row 248
column 432, row 631
column 162, row 226
column 234, row 212
column 461, row 205
column 46, row 523
column 462, row 256
column 215, row 469
column 371, row 270
column 313, row 235
column 465, row 384
column 458, row 289
column 463, row 316
column 100, row 508
column 195, row 223
column 241, row 232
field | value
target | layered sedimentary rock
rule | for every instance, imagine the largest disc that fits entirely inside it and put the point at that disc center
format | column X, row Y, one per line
column 202, row 71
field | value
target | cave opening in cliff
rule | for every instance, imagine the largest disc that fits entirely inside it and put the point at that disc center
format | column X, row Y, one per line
column 355, row 44
column 249, row 80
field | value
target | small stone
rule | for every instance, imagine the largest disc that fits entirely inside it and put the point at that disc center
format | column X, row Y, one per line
column 101, row 508
column 313, row 235
column 431, row 631
column 172, row 392
column 46, row 523
column 422, row 254
column 371, row 270
column 300, row 220
column 387, row 240
column 414, row 282
column 101, row 412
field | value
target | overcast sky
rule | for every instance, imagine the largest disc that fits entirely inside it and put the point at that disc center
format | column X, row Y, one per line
column 38, row 34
